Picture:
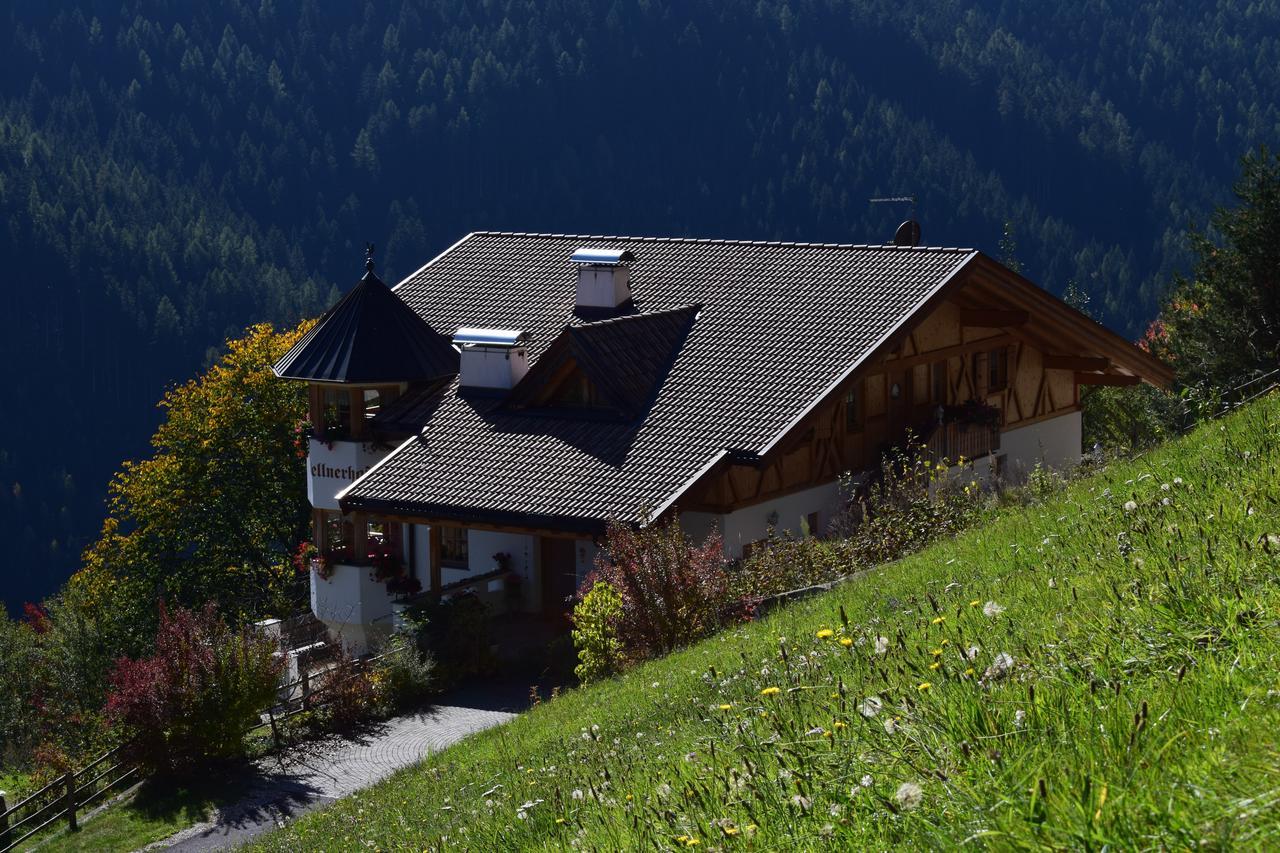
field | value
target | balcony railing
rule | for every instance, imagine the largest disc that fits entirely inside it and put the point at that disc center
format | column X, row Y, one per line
column 952, row 442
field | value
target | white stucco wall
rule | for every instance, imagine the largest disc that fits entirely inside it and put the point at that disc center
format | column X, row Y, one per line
column 353, row 606
column 585, row 552
column 1056, row 442
column 523, row 548
column 752, row 523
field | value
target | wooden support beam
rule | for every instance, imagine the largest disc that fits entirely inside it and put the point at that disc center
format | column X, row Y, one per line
column 433, row 549
column 1075, row 362
column 1116, row 379
column 982, row 345
column 993, row 318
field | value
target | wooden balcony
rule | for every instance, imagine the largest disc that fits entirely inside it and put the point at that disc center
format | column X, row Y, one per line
column 949, row 443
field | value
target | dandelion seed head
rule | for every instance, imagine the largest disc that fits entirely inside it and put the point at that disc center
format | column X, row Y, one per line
column 908, row 796
column 992, row 610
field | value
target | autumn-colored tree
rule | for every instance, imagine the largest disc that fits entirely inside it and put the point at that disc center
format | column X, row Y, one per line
column 213, row 514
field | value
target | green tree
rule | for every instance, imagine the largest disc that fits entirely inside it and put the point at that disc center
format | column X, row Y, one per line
column 213, row 514
column 1222, row 326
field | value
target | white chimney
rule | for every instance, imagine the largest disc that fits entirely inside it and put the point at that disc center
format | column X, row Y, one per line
column 491, row 358
column 604, row 279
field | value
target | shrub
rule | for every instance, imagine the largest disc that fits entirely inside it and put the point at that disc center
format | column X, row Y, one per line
column 404, row 674
column 673, row 591
column 595, row 633
column 346, row 695
column 191, row 701
column 785, row 564
column 458, row 634
column 911, row 503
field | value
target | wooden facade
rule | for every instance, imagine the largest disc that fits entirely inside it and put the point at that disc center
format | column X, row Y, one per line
column 970, row 346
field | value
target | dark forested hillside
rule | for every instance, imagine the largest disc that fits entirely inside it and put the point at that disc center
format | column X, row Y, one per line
column 172, row 171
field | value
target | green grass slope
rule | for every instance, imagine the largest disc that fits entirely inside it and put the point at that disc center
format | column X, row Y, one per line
column 1100, row 669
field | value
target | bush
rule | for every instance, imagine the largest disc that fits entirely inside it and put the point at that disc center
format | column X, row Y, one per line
column 404, row 674
column 191, row 701
column 672, row 591
column 913, row 502
column 346, row 695
column 595, row 633
column 785, row 564
column 457, row 632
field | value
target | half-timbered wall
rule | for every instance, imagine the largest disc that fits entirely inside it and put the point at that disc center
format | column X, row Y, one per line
column 944, row 360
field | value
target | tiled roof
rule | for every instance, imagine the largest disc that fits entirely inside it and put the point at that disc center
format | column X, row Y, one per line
column 370, row 337
column 778, row 324
column 625, row 358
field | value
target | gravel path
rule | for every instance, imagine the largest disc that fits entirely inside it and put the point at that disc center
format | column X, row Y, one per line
column 280, row 791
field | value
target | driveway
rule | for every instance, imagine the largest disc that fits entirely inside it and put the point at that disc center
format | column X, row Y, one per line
column 281, row 790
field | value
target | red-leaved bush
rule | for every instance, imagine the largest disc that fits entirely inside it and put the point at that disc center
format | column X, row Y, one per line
column 191, row 701
column 673, row 591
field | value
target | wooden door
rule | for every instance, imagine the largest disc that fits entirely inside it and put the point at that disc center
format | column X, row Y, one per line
column 559, row 575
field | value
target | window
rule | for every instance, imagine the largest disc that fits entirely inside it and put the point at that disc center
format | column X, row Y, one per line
column 939, row 382
column 337, row 413
column 998, row 369
column 453, row 547
column 811, row 525
column 853, row 409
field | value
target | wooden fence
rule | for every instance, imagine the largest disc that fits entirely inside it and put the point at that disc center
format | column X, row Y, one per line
column 64, row 798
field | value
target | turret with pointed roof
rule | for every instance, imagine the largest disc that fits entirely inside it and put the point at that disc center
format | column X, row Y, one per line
column 370, row 337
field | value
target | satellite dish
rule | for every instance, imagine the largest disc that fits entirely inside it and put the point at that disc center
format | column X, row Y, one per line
column 908, row 234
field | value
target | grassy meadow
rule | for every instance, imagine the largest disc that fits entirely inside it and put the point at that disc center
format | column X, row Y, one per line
column 1098, row 669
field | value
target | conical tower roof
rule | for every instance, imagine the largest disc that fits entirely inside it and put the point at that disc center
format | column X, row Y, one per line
column 370, row 337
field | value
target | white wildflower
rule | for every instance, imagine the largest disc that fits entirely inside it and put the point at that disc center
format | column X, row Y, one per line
column 801, row 802
column 999, row 667
column 882, row 645
column 870, row 706
column 827, row 830
column 835, row 810
column 1020, row 718
column 1130, row 506
column 890, row 725
column 971, row 652
column 522, row 815
column 866, row 780
column 908, row 796
column 816, row 731
column 1177, row 481
column 577, row 794
column 1164, row 487
column 1166, row 502
column 992, row 610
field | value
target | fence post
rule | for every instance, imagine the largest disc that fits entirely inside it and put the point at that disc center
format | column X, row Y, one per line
column 275, row 732
column 306, row 690
column 4, row 822
column 71, row 800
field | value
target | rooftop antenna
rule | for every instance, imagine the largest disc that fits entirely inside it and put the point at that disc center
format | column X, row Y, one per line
column 908, row 233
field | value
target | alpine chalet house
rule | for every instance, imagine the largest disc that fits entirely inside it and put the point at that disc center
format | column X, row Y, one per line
column 475, row 427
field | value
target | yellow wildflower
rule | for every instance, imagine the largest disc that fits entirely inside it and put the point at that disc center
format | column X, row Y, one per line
column 771, row 691
column 725, row 707
column 975, row 603
column 935, row 664
column 969, row 671
column 924, row 685
column 937, row 653
column 559, row 820
column 826, row 634
column 731, row 830
column 840, row 724
column 846, row 641
column 938, row 620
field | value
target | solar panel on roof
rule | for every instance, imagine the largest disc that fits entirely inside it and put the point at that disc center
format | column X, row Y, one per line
column 601, row 257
